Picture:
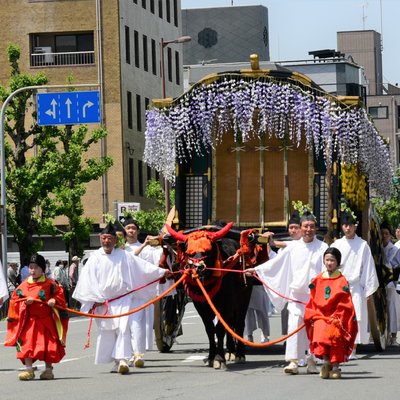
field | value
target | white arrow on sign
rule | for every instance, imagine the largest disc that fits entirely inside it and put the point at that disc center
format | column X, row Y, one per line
column 52, row 112
column 88, row 104
column 68, row 102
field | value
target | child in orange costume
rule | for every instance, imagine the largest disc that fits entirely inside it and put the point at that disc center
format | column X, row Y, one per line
column 330, row 316
column 35, row 326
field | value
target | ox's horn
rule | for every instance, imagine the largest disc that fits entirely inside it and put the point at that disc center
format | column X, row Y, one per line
column 221, row 233
column 176, row 235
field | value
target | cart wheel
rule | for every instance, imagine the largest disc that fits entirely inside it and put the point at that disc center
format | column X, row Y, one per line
column 168, row 314
column 377, row 319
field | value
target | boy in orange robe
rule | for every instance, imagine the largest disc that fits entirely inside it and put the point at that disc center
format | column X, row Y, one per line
column 330, row 316
column 35, row 326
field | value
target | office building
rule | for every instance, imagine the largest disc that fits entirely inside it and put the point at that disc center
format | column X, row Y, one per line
column 383, row 98
column 115, row 43
column 225, row 34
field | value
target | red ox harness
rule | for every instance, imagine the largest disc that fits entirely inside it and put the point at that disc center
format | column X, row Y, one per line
column 202, row 242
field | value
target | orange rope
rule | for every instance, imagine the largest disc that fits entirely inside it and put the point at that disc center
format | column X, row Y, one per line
column 234, row 334
column 152, row 301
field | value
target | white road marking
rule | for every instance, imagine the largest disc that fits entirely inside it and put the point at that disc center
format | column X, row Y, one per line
column 193, row 358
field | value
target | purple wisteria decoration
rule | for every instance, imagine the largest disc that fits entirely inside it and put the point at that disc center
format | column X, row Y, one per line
column 197, row 122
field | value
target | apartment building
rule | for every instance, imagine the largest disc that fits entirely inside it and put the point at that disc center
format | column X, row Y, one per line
column 113, row 43
column 383, row 98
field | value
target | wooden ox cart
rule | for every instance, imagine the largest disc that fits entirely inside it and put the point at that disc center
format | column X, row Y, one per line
column 242, row 145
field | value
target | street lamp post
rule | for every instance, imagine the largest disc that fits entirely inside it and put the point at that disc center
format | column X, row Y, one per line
column 163, row 45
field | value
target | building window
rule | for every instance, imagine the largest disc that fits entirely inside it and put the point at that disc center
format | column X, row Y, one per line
column 138, row 113
column 77, row 42
column 153, row 57
column 168, row 10
column 146, row 103
column 136, row 43
column 177, row 70
column 127, row 45
column 152, row 6
column 144, row 4
column 131, row 177
column 398, row 149
column 176, row 13
column 148, row 169
column 169, row 63
column 380, row 112
column 145, row 54
column 160, row 9
column 140, row 177
column 49, row 49
column 129, row 107
column 135, row 1
column 398, row 117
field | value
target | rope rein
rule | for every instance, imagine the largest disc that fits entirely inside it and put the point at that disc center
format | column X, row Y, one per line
column 92, row 315
column 227, row 265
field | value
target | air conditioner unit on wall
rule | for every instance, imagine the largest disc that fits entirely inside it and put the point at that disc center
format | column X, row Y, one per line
column 46, row 51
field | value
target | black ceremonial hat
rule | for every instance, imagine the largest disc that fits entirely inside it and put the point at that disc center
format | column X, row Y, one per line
column 347, row 218
column 385, row 225
column 130, row 221
column 110, row 229
column 295, row 218
column 39, row 260
column 307, row 216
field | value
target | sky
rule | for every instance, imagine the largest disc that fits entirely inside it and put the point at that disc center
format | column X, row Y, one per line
column 299, row 26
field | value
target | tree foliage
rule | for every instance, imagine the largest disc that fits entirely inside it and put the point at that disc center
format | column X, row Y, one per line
column 151, row 221
column 46, row 169
column 389, row 210
column 77, row 172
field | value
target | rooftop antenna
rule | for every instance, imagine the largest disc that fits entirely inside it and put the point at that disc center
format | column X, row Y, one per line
column 364, row 17
column 381, row 26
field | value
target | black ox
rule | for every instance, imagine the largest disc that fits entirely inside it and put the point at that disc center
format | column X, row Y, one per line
column 210, row 254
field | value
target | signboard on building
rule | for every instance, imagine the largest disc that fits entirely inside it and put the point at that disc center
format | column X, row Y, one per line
column 126, row 208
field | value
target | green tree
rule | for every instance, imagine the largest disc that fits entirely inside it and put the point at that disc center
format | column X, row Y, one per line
column 153, row 220
column 78, row 170
column 46, row 171
column 28, row 179
column 389, row 210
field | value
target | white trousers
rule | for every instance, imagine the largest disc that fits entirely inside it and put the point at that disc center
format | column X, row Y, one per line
column 393, row 309
column 141, row 327
column 257, row 313
column 297, row 345
column 112, row 345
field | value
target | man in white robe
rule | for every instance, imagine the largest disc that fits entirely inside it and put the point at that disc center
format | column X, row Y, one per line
column 289, row 274
column 3, row 287
column 392, row 261
column 258, row 311
column 141, row 323
column 397, row 233
column 358, row 267
column 109, row 274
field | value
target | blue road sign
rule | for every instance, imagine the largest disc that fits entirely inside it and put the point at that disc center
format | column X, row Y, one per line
column 68, row 108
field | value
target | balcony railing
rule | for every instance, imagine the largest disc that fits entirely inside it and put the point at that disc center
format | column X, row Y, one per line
column 61, row 59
